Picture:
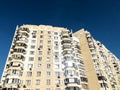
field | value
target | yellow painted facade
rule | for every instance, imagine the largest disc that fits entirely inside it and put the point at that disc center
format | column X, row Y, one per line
column 53, row 58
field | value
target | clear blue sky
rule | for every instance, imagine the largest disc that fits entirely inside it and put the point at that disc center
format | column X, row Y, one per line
column 100, row 17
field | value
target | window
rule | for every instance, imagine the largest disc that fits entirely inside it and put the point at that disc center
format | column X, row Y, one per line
column 30, row 66
column 37, row 89
column 57, row 74
column 49, row 42
column 15, row 80
column 59, row 89
column 57, row 66
column 56, row 38
column 49, row 37
column 55, row 33
column 31, row 58
column 56, row 42
column 48, row 59
column 41, row 31
column 32, row 46
column 33, row 41
column 56, row 48
column 48, row 73
column 71, row 80
column 56, row 59
column 41, row 36
column 56, row 53
column 39, row 58
column 39, row 65
column 29, row 74
column 41, row 41
column 69, row 72
column 49, row 32
column 41, row 47
column 32, row 52
column 48, row 66
column 28, row 82
column 34, row 36
column 93, row 55
column 38, row 74
column 57, row 81
column 37, row 82
column 48, row 52
column 48, row 89
column 40, row 52
column 48, row 82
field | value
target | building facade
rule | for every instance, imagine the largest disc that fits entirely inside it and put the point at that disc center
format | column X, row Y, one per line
column 53, row 58
column 44, row 58
column 102, row 67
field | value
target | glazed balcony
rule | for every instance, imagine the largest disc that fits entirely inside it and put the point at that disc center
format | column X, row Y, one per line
column 15, row 65
column 19, row 50
column 89, row 39
column 65, row 36
column 20, row 40
column 24, row 29
column 72, row 88
column 67, row 52
column 102, row 78
column 18, row 57
column 72, row 81
column 12, row 82
column 65, row 33
column 66, row 47
column 66, row 41
column 21, row 45
column 84, row 79
column 77, row 46
column 22, row 34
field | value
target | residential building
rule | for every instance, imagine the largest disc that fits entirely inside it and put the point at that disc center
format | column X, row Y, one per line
column 102, row 67
column 44, row 58
column 53, row 58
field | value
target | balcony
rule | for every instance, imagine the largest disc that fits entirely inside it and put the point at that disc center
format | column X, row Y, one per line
column 102, row 78
column 66, row 41
column 72, row 88
column 19, row 50
column 84, row 79
column 21, row 45
column 24, row 29
column 71, row 81
column 18, row 57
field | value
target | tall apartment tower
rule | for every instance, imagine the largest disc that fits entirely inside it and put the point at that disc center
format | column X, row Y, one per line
column 44, row 58
column 102, row 67
column 53, row 58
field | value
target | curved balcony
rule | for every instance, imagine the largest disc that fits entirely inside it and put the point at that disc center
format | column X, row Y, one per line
column 24, row 29
column 18, row 57
column 74, row 81
column 65, row 33
column 66, row 42
column 67, row 52
column 66, row 47
column 72, row 88
column 102, row 78
column 70, row 73
column 21, row 40
column 12, row 82
column 77, row 47
column 65, row 36
column 22, row 34
column 21, row 45
column 19, row 50
column 12, row 68
column 84, row 79
column 15, row 65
